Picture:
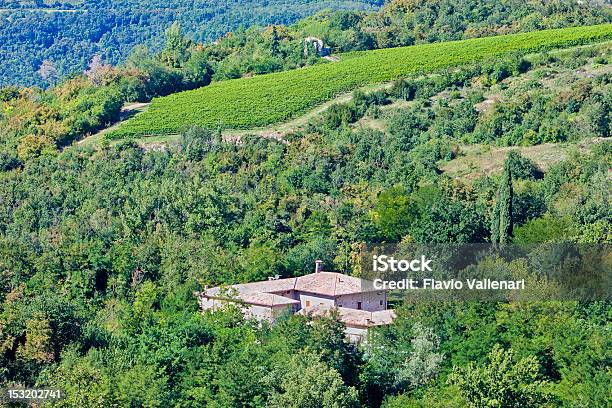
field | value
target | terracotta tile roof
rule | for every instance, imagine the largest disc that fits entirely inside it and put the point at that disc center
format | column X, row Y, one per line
column 271, row 286
column 354, row 317
column 332, row 284
column 267, row 299
column 254, row 298
column 323, row 283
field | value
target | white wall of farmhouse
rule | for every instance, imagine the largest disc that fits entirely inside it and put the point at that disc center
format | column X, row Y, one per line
column 356, row 334
column 370, row 301
column 257, row 312
column 308, row 300
column 210, row 304
column 268, row 313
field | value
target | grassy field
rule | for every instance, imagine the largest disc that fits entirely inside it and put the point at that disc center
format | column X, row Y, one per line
column 248, row 103
column 475, row 161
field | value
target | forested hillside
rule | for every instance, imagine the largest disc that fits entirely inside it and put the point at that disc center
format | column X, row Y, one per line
column 103, row 244
column 62, row 37
column 43, row 40
column 102, row 248
column 35, row 121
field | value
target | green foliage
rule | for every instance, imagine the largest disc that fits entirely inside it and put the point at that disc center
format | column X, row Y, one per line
column 36, row 122
column 502, row 69
column 545, row 229
column 113, row 31
column 175, row 52
column 403, row 89
column 101, row 249
column 347, row 113
column 238, row 104
column 79, row 30
column 423, row 363
column 142, row 230
column 8, row 162
column 309, row 383
column 443, row 398
column 533, row 116
column 394, row 213
column 503, row 382
column 502, row 223
column 522, row 168
column 427, row 216
column 142, row 386
column 449, row 220
column 84, row 382
column 38, row 343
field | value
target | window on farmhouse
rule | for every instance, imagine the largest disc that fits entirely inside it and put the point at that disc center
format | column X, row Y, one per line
column 308, row 303
column 359, row 305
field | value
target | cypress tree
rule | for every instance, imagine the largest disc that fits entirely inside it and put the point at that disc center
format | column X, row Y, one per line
column 501, row 223
column 274, row 42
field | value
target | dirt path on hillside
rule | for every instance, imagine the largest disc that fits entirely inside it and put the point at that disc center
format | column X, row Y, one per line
column 278, row 130
column 127, row 111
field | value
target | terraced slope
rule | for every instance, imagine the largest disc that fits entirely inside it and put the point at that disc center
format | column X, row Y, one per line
column 252, row 102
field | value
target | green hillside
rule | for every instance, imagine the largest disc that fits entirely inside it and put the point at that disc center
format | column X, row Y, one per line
column 102, row 246
column 74, row 31
column 251, row 102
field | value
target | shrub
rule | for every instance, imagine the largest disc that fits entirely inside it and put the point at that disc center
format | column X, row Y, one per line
column 8, row 162
column 522, row 167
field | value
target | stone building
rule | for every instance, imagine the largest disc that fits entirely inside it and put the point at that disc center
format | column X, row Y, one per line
column 358, row 304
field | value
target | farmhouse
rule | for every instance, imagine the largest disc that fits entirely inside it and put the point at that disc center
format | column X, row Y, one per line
column 358, row 304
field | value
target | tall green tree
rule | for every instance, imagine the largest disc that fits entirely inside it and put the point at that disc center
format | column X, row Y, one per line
column 501, row 224
column 274, row 41
column 175, row 52
column 504, row 382
column 310, row 383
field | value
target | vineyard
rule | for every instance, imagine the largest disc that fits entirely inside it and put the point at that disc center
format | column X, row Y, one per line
column 262, row 100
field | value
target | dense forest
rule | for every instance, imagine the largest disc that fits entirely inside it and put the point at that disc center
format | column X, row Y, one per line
column 103, row 245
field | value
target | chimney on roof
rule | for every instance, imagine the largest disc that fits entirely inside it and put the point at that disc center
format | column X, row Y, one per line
column 318, row 266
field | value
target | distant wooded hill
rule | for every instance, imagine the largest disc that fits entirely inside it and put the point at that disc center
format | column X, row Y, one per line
column 61, row 37
column 68, row 34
